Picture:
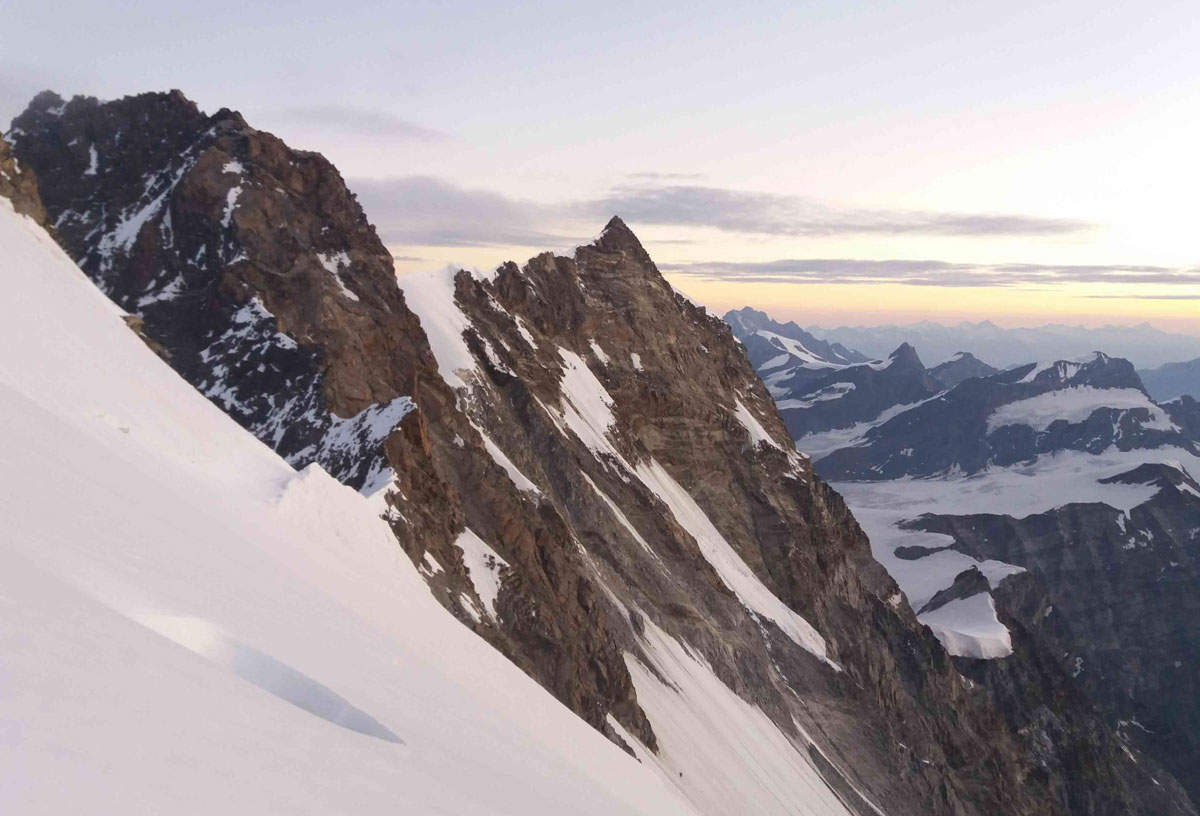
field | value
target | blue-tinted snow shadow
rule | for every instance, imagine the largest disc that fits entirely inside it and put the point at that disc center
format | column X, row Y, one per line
column 270, row 675
column 301, row 690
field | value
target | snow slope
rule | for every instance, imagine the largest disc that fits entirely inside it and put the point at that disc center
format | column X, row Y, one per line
column 190, row 626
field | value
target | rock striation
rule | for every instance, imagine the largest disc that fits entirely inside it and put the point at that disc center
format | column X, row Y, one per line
column 585, row 468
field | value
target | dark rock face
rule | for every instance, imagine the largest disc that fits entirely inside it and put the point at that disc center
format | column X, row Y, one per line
column 1121, row 599
column 254, row 271
column 967, row 583
column 1040, row 697
column 962, row 366
column 1185, row 413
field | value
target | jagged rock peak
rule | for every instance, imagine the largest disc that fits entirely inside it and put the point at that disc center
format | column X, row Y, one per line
column 618, row 237
column 905, row 353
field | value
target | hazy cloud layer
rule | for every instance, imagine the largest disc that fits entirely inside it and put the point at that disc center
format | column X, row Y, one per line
column 367, row 121
column 774, row 214
column 653, row 176
column 932, row 273
column 427, row 211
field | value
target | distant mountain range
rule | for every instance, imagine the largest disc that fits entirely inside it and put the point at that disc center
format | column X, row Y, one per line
column 1173, row 380
column 1143, row 345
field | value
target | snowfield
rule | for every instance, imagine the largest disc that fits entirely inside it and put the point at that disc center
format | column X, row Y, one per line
column 191, row 626
column 1052, row 481
column 1075, row 405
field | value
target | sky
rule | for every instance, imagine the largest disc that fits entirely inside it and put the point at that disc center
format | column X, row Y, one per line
column 830, row 162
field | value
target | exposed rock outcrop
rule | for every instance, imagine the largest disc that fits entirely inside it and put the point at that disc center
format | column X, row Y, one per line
column 588, row 473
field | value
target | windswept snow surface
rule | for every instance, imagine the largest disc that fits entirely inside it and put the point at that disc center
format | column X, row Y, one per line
column 586, row 407
column 830, row 392
column 1075, row 405
column 733, row 758
column 192, row 627
column 818, row 445
column 795, row 348
column 431, row 296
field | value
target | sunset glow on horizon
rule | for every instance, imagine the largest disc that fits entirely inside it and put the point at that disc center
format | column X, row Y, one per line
column 1026, row 164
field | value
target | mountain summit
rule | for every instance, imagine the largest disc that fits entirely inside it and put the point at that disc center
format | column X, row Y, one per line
column 585, row 471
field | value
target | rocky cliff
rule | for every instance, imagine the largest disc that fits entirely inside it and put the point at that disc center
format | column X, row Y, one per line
column 587, row 471
column 1120, row 595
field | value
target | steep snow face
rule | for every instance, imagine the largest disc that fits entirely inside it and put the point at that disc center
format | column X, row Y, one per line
column 716, row 740
column 431, row 296
column 183, row 612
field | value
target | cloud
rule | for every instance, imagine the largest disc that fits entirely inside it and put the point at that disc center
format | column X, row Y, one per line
column 932, row 273
column 367, row 121
column 427, row 211
column 652, row 176
column 774, row 214
column 1145, row 297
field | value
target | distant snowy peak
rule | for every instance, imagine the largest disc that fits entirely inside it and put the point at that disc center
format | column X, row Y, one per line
column 784, row 346
column 1091, row 404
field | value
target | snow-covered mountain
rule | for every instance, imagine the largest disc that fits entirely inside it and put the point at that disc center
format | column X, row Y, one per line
column 585, row 472
column 1144, row 345
column 1060, row 497
column 788, row 352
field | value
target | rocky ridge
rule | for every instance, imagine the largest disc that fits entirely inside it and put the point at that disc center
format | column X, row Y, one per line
column 584, row 466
